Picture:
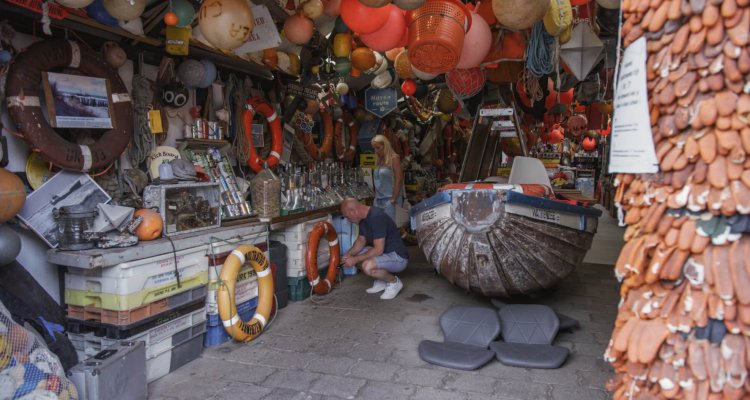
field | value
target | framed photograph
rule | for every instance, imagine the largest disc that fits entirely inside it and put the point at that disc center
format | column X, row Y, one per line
column 257, row 131
column 64, row 189
column 75, row 101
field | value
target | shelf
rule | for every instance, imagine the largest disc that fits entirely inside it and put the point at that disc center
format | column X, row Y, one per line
column 102, row 258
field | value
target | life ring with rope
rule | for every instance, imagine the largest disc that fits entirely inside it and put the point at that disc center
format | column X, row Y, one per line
column 348, row 120
column 321, row 229
column 254, row 105
column 237, row 328
column 320, row 153
column 25, row 109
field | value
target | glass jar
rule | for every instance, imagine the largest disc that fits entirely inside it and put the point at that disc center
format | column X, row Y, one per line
column 72, row 222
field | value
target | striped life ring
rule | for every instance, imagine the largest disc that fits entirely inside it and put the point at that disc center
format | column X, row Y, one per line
column 348, row 154
column 254, row 105
column 311, row 257
column 320, row 153
column 22, row 87
column 237, row 328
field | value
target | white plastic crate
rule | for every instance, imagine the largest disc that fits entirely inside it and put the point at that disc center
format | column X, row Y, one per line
column 158, row 339
column 245, row 289
column 295, row 238
column 133, row 284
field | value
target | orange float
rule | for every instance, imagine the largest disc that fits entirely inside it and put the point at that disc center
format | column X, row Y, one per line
column 151, row 226
column 320, row 153
column 311, row 257
column 12, row 195
column 346, row 154
column 254, row 105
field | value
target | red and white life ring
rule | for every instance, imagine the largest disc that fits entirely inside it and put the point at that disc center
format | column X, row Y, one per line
column 321, row 229
column 25, row 110
column 320, row 153
column 254, row 105
column 348, row 154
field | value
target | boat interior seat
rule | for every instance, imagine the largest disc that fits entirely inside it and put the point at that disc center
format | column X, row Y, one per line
column 467, row 332
column 567, row 323
column 528, row 331
column 528, row 171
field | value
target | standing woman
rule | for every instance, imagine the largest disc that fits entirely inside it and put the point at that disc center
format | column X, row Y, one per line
column 388, row 177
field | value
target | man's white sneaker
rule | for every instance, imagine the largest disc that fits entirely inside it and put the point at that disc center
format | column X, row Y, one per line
column 377, row 286
column 392, row 289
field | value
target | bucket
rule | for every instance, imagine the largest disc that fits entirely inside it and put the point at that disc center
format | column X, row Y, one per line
column 436, row 35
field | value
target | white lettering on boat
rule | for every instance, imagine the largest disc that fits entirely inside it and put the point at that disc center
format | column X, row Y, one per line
column 545, row 215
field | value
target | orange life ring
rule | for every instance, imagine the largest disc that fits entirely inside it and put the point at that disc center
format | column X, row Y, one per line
column 259, row 104
column 237, row 328
column 320, row 153
column 311, row 257
column 348, row 154
column 25, row 109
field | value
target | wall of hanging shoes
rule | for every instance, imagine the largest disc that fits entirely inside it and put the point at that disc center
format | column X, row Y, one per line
column 683, row 325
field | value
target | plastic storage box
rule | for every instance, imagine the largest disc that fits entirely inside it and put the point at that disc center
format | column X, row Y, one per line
column 295, row 239
column 115, row 373
column 215, row 332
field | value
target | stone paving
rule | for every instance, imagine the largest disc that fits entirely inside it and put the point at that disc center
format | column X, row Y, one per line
column 352, row 345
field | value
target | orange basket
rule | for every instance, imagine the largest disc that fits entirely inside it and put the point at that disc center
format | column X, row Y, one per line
column 436, row 35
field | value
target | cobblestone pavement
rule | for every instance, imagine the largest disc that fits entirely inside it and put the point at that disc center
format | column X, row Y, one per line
column 352, row 345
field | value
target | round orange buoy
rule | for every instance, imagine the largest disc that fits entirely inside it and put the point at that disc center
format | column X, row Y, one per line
column 12, row 195
column 321, row 229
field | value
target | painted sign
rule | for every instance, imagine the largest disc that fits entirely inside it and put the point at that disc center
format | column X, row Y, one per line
column 380, row 101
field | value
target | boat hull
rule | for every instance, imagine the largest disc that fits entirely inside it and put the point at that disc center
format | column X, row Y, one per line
column 501, row 243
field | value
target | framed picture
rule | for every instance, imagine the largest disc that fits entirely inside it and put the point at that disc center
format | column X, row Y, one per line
column 257, row 131
column 64, row 189
column 75, row 101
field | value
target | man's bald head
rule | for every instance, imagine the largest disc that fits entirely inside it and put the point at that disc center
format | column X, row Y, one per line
column 353, row 210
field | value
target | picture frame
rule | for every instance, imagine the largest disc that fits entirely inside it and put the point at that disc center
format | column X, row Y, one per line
column 76, row 101
column 66, row 188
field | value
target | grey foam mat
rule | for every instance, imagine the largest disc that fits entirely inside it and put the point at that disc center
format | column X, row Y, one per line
column 454, row 355
column 541, row 356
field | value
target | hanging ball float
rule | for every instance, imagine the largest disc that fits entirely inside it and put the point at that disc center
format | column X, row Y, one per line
column 402, row 66
column 408, row 87
column 74, row 3
column 390, row 34
column 332, row 8
column 343, row 66
column 298, row 29
column 209, row 73
column 114, row 54
column 96, row 11
column 361, row 18
column 446, row 102
column 425, row 76
column 363, row 58
column 226, row 24
column 12, row 195
column 477, row 43
column 10, row 245
column 184, row 11
column 342, row 44
column 171, row 19
column 519, row 14
column 342, row 88
column 375, row 3
column 465, row 83
column 125, row 10
column 191, row 72
column 312, row 8
column 393, row 53
column 588, row 144
column 408, row 4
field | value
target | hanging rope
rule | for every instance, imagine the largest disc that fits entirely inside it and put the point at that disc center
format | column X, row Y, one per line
column 531, row 85
column 240, row 144
column 142, row 141
column 538, row 57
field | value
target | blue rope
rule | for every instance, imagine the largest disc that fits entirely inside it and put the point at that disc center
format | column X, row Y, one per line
column 538, row 52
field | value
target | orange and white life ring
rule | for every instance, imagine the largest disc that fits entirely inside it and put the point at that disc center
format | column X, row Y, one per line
column 237, row 328
column 258, row 104
column 320, row 153
column 311, row 257
column 348, row 154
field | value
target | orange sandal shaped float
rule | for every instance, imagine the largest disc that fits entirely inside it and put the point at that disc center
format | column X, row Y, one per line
column 348, row 154
column 311, row 257
column 320, row 153
column 237, row 328
column 259, row 105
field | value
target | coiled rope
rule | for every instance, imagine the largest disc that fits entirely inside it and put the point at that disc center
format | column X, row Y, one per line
column 142, row 141
column 538, row 52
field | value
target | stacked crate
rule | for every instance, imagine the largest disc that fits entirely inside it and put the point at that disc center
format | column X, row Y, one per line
column 295, row 238
column 142, row 300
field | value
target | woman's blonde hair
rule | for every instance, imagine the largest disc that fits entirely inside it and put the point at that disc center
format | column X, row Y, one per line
column 388, row 152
